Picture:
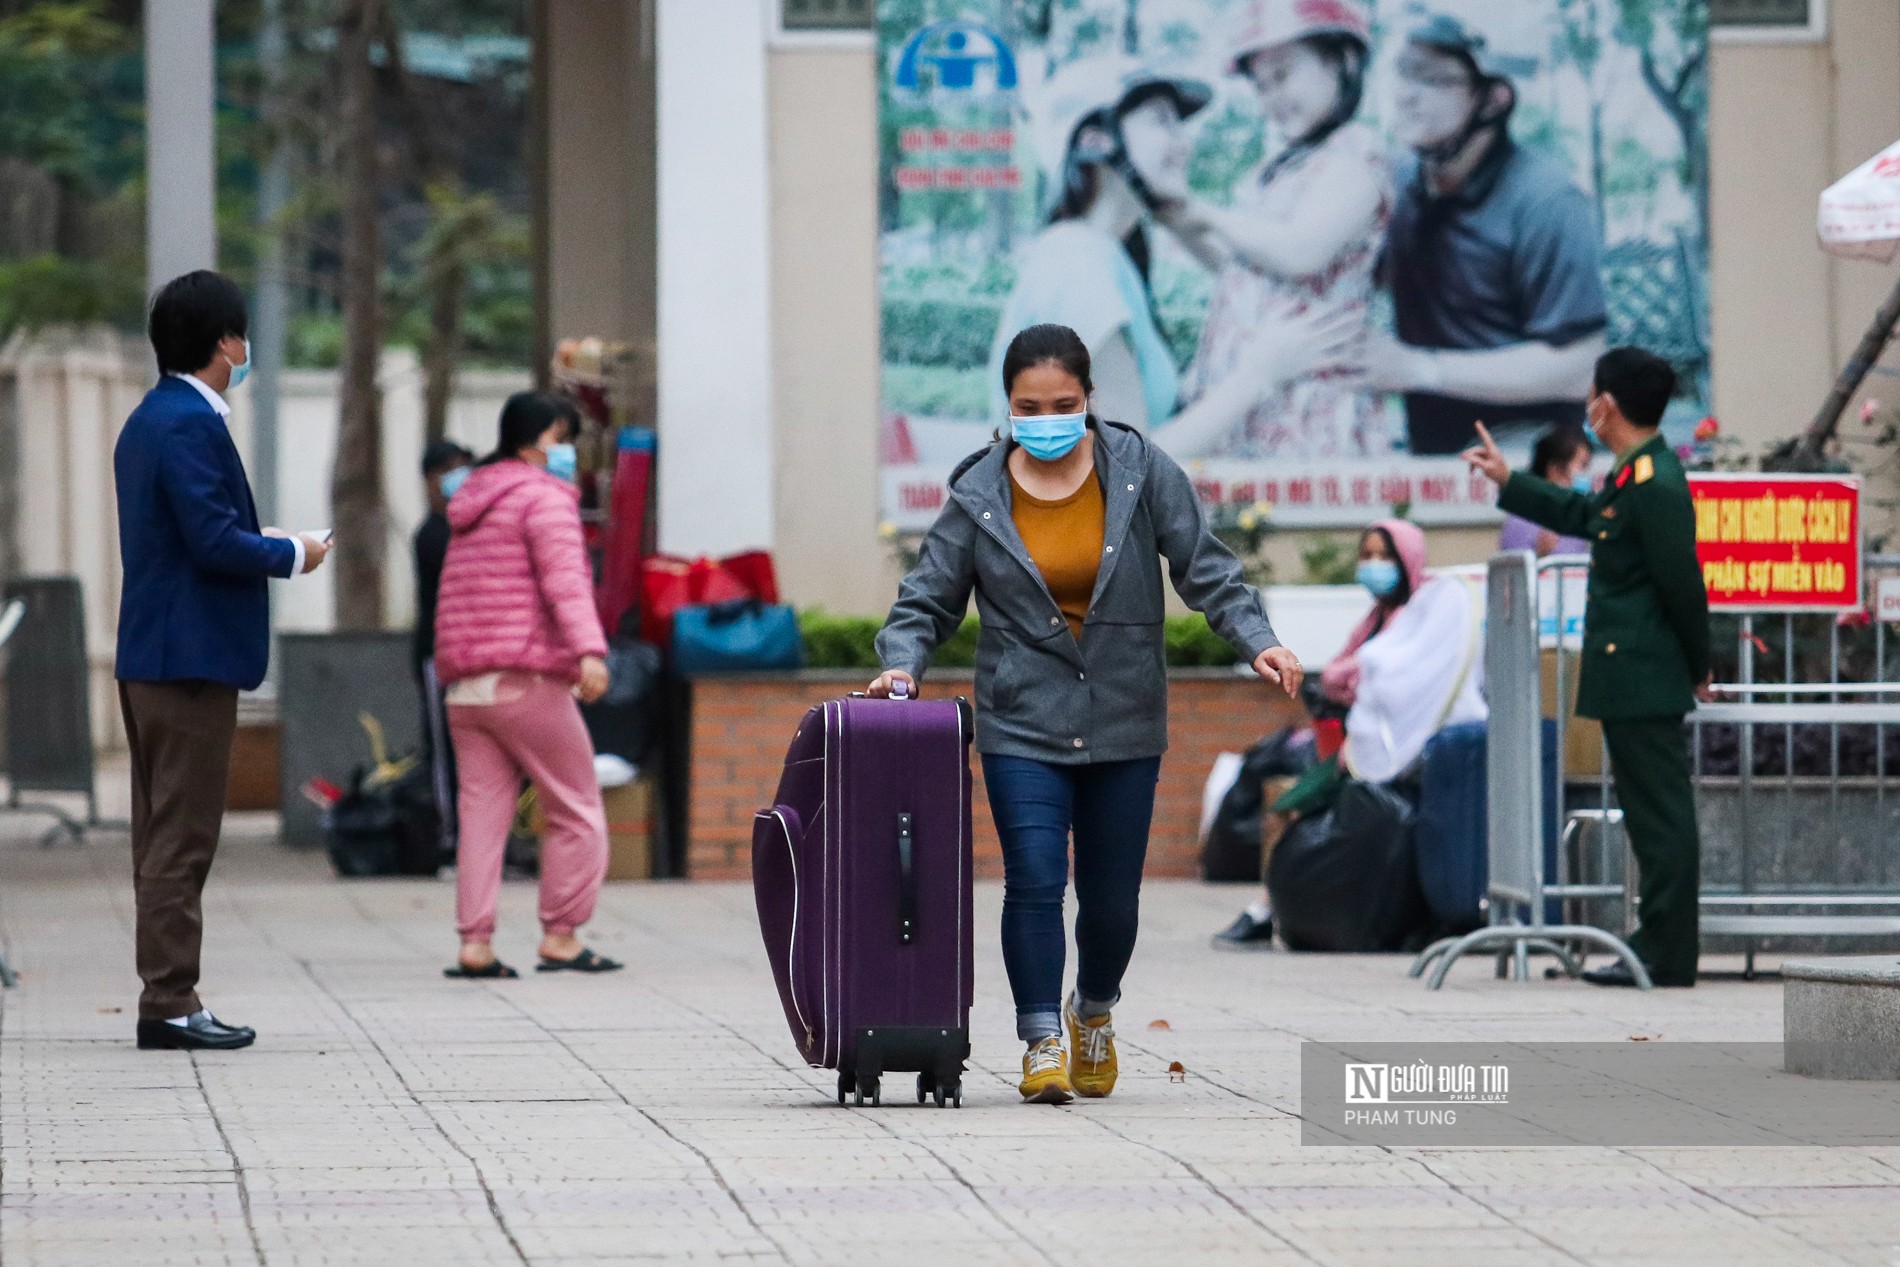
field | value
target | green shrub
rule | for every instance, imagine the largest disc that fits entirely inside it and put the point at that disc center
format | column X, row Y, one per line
column 1331, row 561
column 960, row 651
column 850, row 642
column 1193, row 644
column 45, row 290
column 838, row 642
column 315, row 341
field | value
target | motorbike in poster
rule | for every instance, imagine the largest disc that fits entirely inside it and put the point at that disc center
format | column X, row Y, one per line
column 1309, row 243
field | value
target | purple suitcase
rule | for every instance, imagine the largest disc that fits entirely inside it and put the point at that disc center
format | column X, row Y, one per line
column 861, row 869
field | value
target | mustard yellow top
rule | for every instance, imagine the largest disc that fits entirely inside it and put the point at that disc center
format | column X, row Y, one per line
column 1065, row 543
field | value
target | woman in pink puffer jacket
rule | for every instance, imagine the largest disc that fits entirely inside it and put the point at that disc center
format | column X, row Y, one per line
column 516, row 640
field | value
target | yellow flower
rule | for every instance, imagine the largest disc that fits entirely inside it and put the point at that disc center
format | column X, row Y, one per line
column 887, row 530
column 1263, row 509
column 1247, row 519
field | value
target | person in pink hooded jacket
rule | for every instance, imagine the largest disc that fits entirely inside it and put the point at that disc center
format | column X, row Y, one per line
column 1392, row 568
column 517, row 640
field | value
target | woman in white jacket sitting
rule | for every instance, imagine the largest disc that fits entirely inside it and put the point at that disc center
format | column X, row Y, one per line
column 1412, row 667
column 1420, row 672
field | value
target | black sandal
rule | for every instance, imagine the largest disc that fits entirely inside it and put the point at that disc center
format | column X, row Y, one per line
column 586, row 961
column 493, row 970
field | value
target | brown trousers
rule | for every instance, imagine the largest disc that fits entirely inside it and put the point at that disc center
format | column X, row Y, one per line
column 180, row 734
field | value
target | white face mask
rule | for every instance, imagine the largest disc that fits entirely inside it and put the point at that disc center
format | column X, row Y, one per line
column 242, row 370
column 1594, row 418
column 1049, row 437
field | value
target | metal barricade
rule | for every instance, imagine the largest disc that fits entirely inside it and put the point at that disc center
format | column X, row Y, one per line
column 1518, row 889
column 1798, row 828
column 1801, row 852
column 10, row 617
column 49, row 703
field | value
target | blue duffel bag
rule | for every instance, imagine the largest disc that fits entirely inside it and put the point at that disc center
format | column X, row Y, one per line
column 744, row 635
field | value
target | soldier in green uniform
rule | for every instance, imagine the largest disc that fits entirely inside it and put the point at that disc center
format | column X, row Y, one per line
column 1645, row 642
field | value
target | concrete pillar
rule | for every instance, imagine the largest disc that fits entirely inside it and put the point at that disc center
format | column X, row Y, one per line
column 598, row 150
column 825, row 328
column 180, row 81
column 715, row 337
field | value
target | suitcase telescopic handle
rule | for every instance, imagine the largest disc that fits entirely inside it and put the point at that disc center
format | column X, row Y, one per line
column 899, row 690
column 906, row 883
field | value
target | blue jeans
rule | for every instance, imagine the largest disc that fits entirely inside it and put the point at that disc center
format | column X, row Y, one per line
column 1036, row 804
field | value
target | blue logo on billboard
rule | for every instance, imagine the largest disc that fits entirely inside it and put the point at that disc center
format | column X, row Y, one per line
column 956, row 57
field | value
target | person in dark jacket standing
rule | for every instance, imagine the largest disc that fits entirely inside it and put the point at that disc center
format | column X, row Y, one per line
column 1645, row 644
column 1060, row 532
column 194, row 630
column 445, row 464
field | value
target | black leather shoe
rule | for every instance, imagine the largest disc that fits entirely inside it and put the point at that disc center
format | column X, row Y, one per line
column 1246, row 933
column 1619, row 974
column 204, row 1032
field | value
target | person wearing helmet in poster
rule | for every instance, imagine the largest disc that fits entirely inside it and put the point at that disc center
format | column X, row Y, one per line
column 1111, row 146
column 1497, row 293
column 1301, row 238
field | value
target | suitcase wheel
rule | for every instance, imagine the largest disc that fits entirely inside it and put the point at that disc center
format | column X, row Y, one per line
column 927, row 1084
column 846, row 1084
column 868, row 1089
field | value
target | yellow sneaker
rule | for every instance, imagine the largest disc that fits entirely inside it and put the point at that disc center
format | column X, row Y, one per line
column 1092, row 1064
column 1046, row 1074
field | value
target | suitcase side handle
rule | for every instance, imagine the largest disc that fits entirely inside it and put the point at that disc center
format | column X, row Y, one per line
column 906, row 884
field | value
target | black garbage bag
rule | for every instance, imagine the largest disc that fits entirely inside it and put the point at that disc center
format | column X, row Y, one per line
column 626, row 720
column 387, row 823
column 1345, row 880
column 1231, row 851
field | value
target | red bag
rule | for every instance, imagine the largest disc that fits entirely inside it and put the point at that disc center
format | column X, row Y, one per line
column 629, row 536
column 1329, row 737
column 668, row 583
column 753, row 569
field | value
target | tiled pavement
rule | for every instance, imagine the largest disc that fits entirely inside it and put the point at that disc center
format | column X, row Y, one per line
column 390, row 1116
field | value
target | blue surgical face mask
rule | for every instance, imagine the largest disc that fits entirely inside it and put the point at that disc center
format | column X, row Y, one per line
column 454, row 480
column 1583, row 483
column 241, row 372
column 1049, row 436
column 562, row 462
column 1380, row 576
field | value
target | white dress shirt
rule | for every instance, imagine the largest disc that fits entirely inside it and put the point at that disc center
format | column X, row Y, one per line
column 223, row 408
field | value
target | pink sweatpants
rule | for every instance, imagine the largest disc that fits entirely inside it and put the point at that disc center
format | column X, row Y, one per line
column 540, row 736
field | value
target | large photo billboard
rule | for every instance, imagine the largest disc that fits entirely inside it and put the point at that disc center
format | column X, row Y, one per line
column 1308, row 242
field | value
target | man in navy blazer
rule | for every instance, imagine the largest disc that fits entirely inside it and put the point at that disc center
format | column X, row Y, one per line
column 194, row 630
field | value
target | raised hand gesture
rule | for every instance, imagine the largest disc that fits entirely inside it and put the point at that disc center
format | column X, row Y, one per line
column 1485, row 458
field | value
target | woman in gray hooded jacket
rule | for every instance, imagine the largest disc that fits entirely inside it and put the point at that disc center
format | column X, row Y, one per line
column 1060, row 533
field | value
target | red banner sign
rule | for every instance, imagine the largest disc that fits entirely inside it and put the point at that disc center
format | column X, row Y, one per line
column 1778, row 542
